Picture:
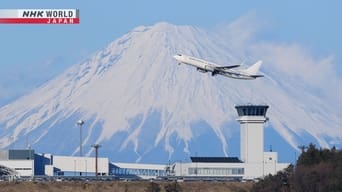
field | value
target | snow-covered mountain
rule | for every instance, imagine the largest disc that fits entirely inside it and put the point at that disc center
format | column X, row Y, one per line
column 141, row 106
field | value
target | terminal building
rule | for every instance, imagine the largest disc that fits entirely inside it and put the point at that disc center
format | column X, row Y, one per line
column 254, row 161
column 75, row 166
column 25, row 163
column 18, row 161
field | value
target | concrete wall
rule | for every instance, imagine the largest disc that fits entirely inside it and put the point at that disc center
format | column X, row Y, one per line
column 22, row 167
column 78, row 164
column 208, row 169
column 252, row 138
column 250, row 170
column 144, row 171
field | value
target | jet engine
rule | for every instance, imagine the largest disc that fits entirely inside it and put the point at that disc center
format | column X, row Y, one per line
column 209, row 68
column 201, row 70
column 206, row 68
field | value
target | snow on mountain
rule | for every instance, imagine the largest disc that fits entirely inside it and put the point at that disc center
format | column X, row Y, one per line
column 141, row 106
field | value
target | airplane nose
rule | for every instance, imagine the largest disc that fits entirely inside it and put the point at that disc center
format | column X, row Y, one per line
column 178, row 57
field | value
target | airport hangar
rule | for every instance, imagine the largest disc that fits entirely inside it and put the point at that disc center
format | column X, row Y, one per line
column 254, row 163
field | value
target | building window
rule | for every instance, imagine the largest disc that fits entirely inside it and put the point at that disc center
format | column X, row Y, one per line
column 21, row 169
column 141, row 172
column 216, row 171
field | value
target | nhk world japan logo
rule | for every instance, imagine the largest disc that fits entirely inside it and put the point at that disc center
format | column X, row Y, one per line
column 39, row 16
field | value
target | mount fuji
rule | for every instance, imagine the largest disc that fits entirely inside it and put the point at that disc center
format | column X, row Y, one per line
column 140, row 106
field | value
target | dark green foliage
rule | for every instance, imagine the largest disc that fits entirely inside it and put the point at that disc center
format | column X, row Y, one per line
column 173, row 187
column 278, row 182
column 313, row 156
column 153, row 187
column 316, row 170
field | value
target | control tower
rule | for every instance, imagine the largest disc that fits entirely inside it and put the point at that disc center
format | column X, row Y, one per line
column 252, row 119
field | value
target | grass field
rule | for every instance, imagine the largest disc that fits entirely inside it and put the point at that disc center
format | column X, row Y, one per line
column 120, row 186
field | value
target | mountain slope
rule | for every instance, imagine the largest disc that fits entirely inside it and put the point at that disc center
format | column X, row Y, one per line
column 140, row 105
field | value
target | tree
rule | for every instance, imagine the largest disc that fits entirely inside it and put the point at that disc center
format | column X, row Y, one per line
column 316, row 170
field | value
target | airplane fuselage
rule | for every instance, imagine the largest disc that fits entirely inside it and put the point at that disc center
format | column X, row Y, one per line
column 201, row 65
column 205, row 66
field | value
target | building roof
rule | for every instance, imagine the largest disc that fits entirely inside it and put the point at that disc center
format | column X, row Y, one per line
column 17, row 154
column 215, row 160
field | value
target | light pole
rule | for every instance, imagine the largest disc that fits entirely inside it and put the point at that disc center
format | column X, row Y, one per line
column 96, row 147
column 80, row 123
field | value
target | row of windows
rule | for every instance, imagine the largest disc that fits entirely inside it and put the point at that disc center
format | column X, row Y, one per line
column 216, row 171
column 141, row 172
column 192, row 171
column 22, row 169
column 74, row 173
column 251, row 110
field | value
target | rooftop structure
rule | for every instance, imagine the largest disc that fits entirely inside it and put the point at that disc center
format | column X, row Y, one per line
column 215, row 160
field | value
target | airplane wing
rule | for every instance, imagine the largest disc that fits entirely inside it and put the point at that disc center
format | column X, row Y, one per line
column 226, row 67
column 218, row 69
column 256, row 76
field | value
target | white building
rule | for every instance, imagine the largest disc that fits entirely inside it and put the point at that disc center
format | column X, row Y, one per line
column 257, row 162
column 20, row 161
column 254, row 163
column 138, row 170
column 24, row 162
column 206, row 167
column 76, row 166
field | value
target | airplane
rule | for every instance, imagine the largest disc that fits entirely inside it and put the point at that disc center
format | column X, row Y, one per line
column 215, row 69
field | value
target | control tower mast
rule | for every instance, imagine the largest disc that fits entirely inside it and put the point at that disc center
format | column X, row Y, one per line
column 252, row 119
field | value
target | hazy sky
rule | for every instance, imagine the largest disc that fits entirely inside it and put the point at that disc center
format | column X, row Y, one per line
column 32, row 54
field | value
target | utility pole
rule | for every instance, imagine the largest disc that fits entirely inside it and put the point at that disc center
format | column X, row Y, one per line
column 302, row 147
column 96, row 147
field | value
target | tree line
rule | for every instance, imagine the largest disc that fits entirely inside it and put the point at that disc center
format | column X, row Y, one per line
column 315, row 170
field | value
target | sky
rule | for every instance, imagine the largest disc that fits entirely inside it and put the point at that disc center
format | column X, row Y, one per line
column 33, row 54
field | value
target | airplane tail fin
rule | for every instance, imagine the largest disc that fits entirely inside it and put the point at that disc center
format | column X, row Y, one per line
column 253, row 70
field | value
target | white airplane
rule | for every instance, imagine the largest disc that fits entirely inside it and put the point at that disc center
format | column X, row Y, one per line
column 215, row 69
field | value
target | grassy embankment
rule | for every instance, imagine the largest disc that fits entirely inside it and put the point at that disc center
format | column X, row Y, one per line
column 118, row 186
